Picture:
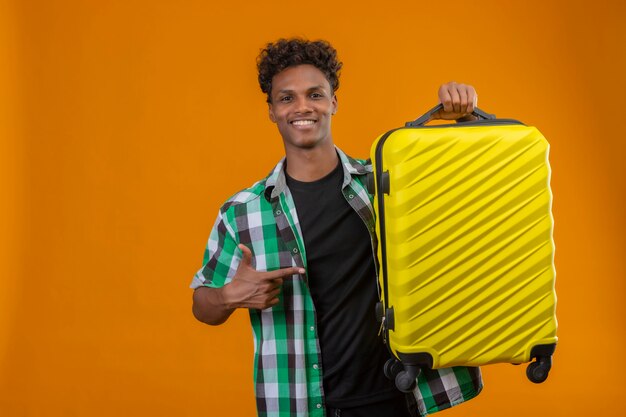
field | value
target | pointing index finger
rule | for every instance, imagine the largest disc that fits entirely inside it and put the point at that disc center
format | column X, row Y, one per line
column 284, row 272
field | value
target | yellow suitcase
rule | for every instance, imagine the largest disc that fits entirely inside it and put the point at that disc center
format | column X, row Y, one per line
column 466, row 251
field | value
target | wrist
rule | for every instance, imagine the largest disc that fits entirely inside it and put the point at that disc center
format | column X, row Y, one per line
column 225, row 297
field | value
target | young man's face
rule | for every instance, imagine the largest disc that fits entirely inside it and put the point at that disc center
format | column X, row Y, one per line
column 302, row 105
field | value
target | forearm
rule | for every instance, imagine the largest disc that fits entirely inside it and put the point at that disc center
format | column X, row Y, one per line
column 210, row 305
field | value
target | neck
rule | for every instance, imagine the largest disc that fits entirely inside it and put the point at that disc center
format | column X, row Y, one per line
column 308, row 165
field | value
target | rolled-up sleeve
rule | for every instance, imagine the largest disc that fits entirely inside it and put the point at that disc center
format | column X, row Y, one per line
column 221, row 257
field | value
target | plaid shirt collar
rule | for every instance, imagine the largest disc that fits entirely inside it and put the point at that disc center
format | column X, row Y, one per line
column 276, row 181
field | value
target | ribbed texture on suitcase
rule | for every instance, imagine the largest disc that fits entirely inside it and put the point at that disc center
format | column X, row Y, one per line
column 469, row 243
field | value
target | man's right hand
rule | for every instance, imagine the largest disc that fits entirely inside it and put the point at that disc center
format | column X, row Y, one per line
column 250, row 288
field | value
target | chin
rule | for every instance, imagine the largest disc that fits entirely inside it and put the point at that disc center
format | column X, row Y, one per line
column 305, row 143
column 308, row 145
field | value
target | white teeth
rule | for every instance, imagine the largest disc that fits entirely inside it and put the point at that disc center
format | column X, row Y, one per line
column 302, row 122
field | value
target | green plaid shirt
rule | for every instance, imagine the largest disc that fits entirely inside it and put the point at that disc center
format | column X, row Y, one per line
column 287, row 361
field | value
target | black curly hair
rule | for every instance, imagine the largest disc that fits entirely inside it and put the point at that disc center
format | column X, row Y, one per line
column 285, row 53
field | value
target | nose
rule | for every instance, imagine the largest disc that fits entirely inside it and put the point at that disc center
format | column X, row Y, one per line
column 303, row 105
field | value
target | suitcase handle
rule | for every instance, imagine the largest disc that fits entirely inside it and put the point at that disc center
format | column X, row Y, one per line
column 422, row 120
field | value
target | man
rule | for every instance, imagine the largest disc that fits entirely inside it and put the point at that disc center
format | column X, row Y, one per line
column 297, row 249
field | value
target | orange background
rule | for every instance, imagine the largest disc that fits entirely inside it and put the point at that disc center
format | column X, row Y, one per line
column 125, row 124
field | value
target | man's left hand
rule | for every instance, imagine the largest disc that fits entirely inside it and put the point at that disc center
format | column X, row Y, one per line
column 459, row 101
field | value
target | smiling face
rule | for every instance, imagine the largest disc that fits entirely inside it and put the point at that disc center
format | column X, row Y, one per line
column 302, row 105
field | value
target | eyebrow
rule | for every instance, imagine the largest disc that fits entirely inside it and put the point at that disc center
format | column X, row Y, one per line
column 315, row 87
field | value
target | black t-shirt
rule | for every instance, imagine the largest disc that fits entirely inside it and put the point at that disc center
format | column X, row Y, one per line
column 342, row 280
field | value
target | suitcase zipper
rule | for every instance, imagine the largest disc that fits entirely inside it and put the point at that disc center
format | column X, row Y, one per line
column 382, row 242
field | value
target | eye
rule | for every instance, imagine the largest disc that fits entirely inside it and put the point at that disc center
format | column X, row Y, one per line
column 285, row 99
column 316, row 95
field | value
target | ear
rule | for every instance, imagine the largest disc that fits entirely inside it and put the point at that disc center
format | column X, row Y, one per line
column 271, row 112
column 334, row 104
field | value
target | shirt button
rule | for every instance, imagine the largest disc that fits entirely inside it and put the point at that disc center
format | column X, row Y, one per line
column 319, row 406
column 311, row 328
column 315, row 366
column 278, row 212
column 295, row 250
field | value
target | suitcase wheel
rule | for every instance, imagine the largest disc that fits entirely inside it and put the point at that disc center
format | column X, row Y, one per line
column 392, row 368
column 537, row 371
column 407, row 379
